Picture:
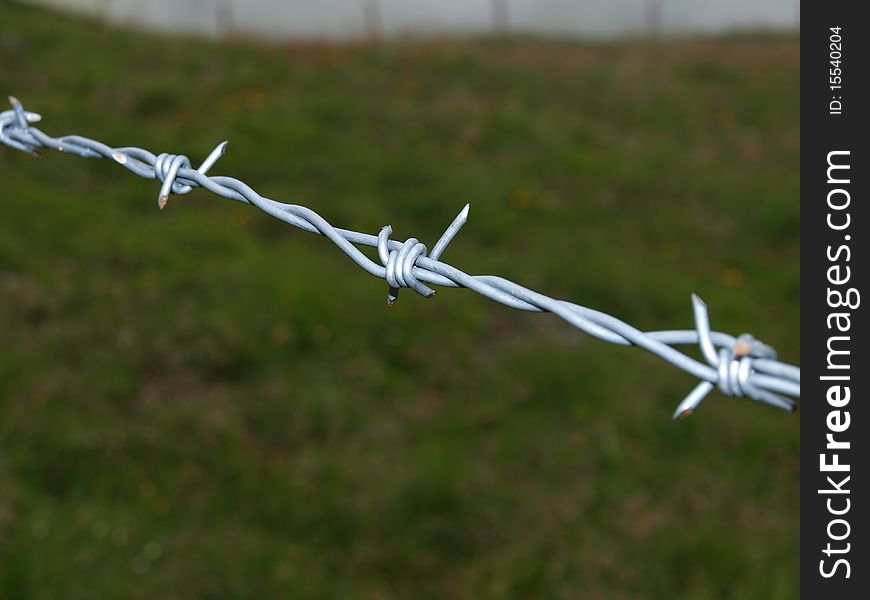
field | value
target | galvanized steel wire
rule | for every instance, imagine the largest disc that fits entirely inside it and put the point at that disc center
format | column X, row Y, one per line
column 738, row 366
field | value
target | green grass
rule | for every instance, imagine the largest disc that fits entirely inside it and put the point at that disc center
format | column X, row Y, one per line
column 203, row 402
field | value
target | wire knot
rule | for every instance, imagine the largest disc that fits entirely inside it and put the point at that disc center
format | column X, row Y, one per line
column 399, row 265
column 14, row 128
column 733, row 366
column 166, row 169
column 168, row 166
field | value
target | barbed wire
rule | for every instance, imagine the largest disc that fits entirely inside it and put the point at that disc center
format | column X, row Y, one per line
column 739, row 366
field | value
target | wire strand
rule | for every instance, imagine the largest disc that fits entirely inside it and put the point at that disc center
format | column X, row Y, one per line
column 738, row 366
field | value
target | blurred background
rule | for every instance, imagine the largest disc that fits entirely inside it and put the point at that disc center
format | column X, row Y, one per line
column 356, row 19
column 204, row 402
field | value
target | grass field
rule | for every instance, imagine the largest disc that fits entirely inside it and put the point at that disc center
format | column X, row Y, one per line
column 203, row 402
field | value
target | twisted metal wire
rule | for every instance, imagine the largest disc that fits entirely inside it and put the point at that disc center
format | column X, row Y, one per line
column 740, row 366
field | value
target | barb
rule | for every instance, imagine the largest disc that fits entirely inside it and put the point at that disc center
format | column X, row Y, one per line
column 740, row 366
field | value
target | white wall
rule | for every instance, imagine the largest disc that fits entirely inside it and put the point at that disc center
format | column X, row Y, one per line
column 356, row 18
